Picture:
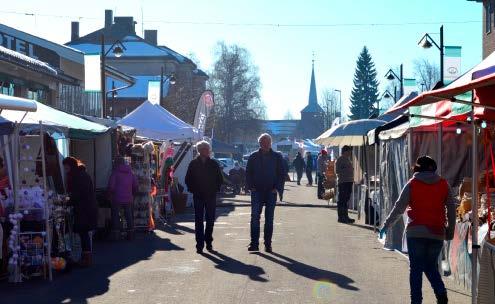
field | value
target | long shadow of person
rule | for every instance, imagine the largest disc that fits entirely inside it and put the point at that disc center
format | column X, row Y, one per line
column 234, row 266
column 311, row 272
column 80, row 284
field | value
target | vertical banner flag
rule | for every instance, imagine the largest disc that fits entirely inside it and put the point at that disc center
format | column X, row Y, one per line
column 451, row 64
column 92, row 73
column 154, row 91
column 206, row 102
column 410, row 86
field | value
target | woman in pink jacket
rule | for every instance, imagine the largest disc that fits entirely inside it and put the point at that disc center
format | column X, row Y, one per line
column 122, row 187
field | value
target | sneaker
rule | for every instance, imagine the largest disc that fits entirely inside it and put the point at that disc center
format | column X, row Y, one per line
column 268, row 248
column 253, row 248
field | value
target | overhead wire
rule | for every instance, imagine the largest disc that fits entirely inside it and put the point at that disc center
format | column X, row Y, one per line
column 242, row 24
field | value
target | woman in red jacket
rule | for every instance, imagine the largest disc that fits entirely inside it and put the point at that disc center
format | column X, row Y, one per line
column 427, row 197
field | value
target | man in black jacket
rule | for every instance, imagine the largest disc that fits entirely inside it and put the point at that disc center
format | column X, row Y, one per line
column 264, row 178
column 204, row 179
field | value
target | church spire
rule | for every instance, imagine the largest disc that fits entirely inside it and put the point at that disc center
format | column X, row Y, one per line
column 313, row 99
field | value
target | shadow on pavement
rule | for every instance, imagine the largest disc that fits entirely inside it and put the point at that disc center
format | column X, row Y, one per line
column 234, row 266
column 310, row 272
column 78, row 285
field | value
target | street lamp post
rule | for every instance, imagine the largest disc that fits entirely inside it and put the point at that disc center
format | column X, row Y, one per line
column 427, row 42
column 118, row 49
column 391, row 76
column 164, row 78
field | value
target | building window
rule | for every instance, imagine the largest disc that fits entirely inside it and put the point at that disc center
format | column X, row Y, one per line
column 488, row 16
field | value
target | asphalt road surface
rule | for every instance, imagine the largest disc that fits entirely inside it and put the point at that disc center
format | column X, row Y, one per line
column 315, row 260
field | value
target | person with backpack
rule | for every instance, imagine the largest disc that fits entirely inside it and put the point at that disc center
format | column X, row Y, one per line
column 428, row 200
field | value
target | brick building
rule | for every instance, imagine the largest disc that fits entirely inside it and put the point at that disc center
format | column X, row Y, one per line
column 143, row 59
column 488, row 26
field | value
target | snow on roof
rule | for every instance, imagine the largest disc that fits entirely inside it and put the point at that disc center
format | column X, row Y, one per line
column 134, row 47
column 139, row 89
column 26, row 61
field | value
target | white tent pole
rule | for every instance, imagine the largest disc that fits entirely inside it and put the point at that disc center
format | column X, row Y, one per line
column 474, row 190
column 375, row 186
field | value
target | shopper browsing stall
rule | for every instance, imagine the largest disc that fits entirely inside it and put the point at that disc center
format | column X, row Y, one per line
column 426, row 197
column 122, row 187
column 83, row 199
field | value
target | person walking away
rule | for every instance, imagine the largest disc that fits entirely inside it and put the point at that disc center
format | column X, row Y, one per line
column 285, row 166
column 264, row 177
column 428, row 200
column 122, row 186
column 309, row 168
column 345, row 180
column 83, row 199
column 322, row 168
column 237, row 176
column 299, row 166
column 203, row 180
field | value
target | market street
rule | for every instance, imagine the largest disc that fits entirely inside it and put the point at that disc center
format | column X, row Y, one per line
column 309, row 249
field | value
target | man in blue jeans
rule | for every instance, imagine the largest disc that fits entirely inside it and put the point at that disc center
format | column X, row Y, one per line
column 264, row 177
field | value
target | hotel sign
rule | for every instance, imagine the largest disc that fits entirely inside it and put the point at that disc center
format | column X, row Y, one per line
column 30, row 49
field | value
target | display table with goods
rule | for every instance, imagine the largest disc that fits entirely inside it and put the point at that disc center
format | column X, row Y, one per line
column 38, row 221
column 141, row 168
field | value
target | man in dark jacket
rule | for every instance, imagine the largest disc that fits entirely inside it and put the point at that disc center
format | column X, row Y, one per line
column 203, row 180
column 299, row 165
column 309, row 168
column 264, row 177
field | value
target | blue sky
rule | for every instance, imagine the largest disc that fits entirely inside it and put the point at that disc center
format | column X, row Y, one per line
column 282, row 53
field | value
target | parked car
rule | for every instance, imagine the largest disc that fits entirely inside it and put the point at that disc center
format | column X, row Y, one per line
column 228, row 164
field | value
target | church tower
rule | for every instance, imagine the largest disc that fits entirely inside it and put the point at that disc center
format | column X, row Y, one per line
column 312, row 116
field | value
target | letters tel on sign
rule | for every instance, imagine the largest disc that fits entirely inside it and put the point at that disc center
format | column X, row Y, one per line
column 30, row 49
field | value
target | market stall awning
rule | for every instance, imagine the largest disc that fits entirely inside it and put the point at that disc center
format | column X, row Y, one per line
column 481, row 75
column 373, row 135
column 155, row 123
column 350, row 133
column 17, row 104
column 56, row 120
column 391, row 115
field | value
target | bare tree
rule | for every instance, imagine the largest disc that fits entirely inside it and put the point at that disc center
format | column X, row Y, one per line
column 330, row 104
column 427, row 73
column 236, row 85
column 288, row 115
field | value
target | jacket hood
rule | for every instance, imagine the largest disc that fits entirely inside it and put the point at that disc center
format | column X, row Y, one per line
column 427, row 177
column 123, row 168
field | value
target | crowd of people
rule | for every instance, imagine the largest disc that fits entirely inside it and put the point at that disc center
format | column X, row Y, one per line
column 264, row 177
column 266, row 173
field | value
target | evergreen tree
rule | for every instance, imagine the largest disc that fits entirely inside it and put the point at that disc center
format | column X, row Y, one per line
column 365, row 92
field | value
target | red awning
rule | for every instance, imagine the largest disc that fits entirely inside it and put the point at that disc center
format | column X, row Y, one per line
column 484, row 75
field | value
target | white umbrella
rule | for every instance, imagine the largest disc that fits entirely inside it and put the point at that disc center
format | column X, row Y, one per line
column 350, row 133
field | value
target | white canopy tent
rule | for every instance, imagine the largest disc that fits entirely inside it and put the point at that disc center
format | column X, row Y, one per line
column 352, row 133
column 17, row 104
column 155, row 123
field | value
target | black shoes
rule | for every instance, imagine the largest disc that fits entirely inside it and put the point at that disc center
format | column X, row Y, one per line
column 268, row 248
column 253, row 248
column 199, row 250
column 210, row 248
column 442, row 299
column 346, row 221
